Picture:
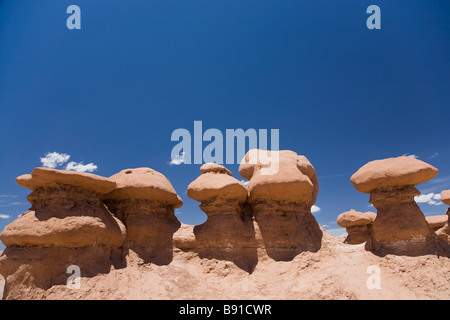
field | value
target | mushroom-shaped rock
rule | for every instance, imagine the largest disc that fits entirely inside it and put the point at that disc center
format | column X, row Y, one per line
column 279, row 175
column 444, row 232
column 358, row 225
column 145, row 201
column 445, row 197
column 216, row 183
column 65, row 212
column 436, row 222
column 67, row 224
column 228, row 226
column 144, row 184
column 51, row 178
column 282, row 188
column 400, row 227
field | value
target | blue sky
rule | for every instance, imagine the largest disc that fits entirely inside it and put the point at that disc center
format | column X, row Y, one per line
column 113, row 92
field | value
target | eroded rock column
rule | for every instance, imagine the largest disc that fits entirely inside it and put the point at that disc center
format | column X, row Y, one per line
column 228, row 232
column 444, row 232
column 282, row 188
column 400, row 227
column 67, row 225
column 358, row 225
column 145, row 201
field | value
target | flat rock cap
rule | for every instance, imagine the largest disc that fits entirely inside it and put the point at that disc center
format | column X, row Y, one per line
column 290, row 178
column 437, row 221
column 143, row 183
column 47, row 177
column 400, row 171
column 215, row 168
column 216, row 181
column 445, row 197
column 355, row 218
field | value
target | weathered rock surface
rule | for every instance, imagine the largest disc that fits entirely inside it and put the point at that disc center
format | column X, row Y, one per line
column 67, row 224
column 145, row 201
column 228, row 232
column 358, row 225
column 268, row 246
column 436, row 222
column 280, row 200
column 400, row 227
column 444, row 232
column 445, row 197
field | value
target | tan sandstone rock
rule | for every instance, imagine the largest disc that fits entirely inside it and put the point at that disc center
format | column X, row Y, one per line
column 358, row 225
column 445, row 197
column 228, row 225
column 282, row 191
column 436, row 222
column 145, row 200
column 67, row 225
column 400, row 227
column 444, row 232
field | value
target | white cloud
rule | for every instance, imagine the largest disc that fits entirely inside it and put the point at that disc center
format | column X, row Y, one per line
column 245, row 182
column 54, row 159
column 429, row 198
column 434, row 155
column 410, row 155
column 337, row 232
column 370, row 205
column 179, row 159
column 80, row 167
column 315, row 209
column 4, row 216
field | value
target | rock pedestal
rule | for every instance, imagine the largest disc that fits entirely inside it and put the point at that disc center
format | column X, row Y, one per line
column 66, row 225
column 358, row 225
column 281, row 200
column 400, row 227
column 145, row 201
column 444, row 232
column 228, row 232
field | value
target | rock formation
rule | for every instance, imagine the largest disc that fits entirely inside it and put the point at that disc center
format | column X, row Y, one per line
column 358, row 225
column 444, row 232
column 281, row 200
column 145, row 200
column 66, row 225
column 400, row 227
column 436, row 222
column 228, row 232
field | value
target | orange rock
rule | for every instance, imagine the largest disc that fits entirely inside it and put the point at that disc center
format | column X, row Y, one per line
column 144, row 184
column 281, row 193
column 50, row 178
column 392, row 172
column 293, row 178
column 445, row 197
column 436, row 222
column 145, row 200
column 358, row 225
column 400, row 227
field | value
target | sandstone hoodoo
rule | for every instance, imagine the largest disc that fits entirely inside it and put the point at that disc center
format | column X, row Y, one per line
column 400, row 227
column 228, row 225
column 282, row 188
column 358, row 225
column 145, row 201
column 444, row 232
column 436, row 222
column 67, row 224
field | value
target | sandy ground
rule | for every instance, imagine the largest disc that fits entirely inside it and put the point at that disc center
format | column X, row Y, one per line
column 336, row 271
